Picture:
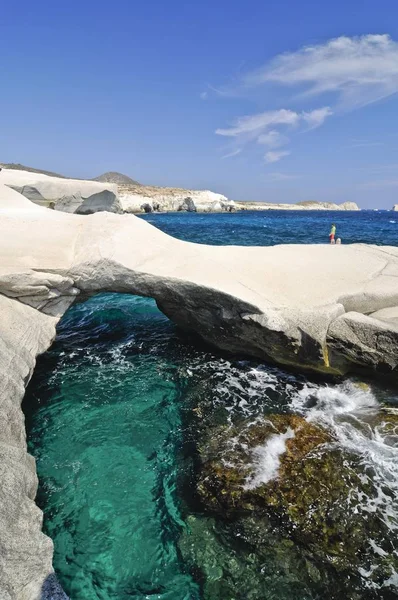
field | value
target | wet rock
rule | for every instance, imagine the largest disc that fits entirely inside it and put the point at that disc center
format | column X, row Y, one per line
column 241, row 560
column 317, row 497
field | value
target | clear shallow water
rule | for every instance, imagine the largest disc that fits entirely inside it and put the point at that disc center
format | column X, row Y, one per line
column 112, row 420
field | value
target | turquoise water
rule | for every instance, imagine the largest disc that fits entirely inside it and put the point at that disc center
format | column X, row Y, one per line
column 112, row 419
column 106, row 431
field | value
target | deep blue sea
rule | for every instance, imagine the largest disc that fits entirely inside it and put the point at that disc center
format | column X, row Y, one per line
column 112, row 419
column 280, row 227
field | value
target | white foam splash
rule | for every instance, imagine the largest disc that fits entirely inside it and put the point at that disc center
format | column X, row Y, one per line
column 325, row 402
column 355, row 418
column 267, row 459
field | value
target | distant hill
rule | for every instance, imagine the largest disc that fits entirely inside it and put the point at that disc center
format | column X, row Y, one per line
column 109, row 177
column 18, row 167
column 114, row 177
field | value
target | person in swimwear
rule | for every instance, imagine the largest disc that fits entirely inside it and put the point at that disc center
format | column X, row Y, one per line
column 332, row 234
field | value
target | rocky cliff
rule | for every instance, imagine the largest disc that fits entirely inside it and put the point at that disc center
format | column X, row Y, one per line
column 156, row 199
column 147, row 198
column 311, row 205
column 114, row 192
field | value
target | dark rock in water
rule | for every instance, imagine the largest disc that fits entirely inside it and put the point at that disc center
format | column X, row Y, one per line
column 187, row 205
column 147, row 208
column 229, row 465
column 289, row 474
column 240, row 560
column 52, row 590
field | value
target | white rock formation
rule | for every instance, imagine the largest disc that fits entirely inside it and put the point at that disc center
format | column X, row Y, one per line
column 395, row 207
column 87, row 196
column 298, row 206
column 68, row 195
column 135, row 199
column 322, row 308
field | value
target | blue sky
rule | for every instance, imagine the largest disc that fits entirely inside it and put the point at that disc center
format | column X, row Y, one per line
column 278, row 101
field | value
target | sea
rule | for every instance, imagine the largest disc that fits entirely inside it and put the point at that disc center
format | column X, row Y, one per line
column 112, row 420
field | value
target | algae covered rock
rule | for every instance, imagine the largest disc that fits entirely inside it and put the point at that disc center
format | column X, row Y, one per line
column 234, row 560
column 291, row 473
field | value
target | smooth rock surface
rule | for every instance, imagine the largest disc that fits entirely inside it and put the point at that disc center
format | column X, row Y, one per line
column 387, row 314
column 68, row 195
column 365, row 341
column 26, row 553
column 273, row 303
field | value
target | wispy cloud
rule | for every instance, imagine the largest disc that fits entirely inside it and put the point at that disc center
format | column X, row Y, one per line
column 204, row 95
column 353, row 71
column 275, row 155
column 317, row 117
column 233, row 153
column 254, row 124
column 360, row 70
column 261, row 127
column 273, row 139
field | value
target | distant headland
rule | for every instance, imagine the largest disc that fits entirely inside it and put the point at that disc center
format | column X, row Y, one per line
column 115, row 192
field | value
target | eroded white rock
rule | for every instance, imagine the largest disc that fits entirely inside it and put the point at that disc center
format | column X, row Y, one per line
column 68, row 195
column 135, row 199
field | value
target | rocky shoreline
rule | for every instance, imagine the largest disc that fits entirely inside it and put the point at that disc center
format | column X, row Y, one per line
column 89, row 196
column 273, row 303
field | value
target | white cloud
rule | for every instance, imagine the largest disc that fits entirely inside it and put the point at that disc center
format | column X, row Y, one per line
column 353, row 71
column 317, row 117
column 204, row 95
column 360, row 70
column 233, row 153
column 272, row 139
column 262, row 127
column 254, row 124
column 275, row 155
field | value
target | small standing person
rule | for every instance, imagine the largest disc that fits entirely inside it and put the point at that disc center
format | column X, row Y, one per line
column 332, row 234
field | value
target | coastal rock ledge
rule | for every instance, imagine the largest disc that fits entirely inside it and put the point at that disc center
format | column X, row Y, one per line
column 330, row 309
